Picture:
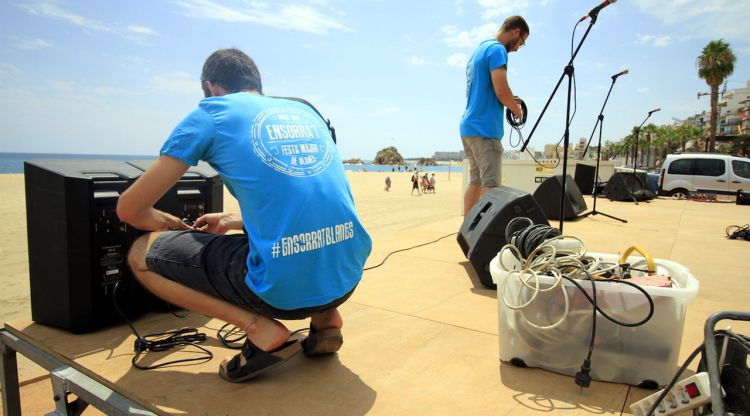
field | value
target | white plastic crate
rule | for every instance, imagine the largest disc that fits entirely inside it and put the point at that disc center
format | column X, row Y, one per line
column 647, row 353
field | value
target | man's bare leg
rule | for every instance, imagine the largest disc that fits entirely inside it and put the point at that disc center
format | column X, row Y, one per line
column 265, row 333
column 473, row 194
column 327, row 320
column 471, row 197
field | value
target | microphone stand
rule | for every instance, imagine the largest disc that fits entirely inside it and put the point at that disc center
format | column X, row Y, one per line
column 600, row 123
column 568, row 71
column 635, row 158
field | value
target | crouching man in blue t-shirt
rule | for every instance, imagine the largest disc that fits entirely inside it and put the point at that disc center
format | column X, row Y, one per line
column 304, row 246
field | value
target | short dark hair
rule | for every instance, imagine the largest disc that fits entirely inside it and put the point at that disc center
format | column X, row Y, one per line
column 233, row 70
column 515, row 22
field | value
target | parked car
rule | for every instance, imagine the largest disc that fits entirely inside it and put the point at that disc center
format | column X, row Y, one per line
column 684, row 173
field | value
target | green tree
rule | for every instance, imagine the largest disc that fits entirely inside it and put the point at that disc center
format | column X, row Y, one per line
column 664, row 140
column 647, row 133
column 715, row 64
column 741, row 145
column 686, row 133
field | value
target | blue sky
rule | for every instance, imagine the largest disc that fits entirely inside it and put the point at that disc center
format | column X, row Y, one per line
column 116, row 76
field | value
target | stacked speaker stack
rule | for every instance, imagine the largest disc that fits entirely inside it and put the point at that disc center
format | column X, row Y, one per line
column 77, row 245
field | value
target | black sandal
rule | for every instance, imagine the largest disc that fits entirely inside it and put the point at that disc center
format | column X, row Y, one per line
column 324, row 341
column 257, row 360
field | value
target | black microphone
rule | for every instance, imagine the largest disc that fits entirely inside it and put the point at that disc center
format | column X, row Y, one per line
column 615, row 76
column 595, row 11
column 654, row 110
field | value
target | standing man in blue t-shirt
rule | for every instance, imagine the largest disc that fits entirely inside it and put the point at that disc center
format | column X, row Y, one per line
column 303, row 248
column 487, row 91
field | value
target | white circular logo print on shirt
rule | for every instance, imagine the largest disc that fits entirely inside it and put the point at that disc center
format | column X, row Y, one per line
column 291, row 141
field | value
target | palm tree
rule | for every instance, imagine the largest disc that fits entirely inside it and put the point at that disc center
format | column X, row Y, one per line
column 715, row 64
column 648, row 131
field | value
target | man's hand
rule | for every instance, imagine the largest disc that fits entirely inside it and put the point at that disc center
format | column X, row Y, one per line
column 516, row 108
column 136, row 204
column 218, row 223
column 170, row 222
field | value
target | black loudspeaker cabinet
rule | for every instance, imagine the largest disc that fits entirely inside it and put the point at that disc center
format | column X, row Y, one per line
column 200, row 190
column 482, row 233
column 548, row 195
column 584, row 177
column 624, row 186
column 743, row 198
column 77, row 245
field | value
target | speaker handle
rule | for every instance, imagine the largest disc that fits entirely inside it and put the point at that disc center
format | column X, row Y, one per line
column 479, row 215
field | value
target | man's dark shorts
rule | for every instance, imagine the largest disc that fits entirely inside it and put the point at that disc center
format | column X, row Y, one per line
column 216, row 265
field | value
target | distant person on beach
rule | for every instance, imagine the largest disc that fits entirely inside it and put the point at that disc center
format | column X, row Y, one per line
column 415, row 182
column 388, row 183
column 432, row 183
column 283, row 263
column 487, row 91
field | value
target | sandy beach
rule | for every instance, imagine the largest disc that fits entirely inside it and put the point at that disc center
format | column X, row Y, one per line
column 382, row 213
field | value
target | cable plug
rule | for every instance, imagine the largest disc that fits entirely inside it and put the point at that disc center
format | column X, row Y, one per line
column 141, row 345
column 583, row 377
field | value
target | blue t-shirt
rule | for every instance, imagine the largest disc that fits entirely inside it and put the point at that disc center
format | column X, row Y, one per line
column 277, row 157
column 484, row 113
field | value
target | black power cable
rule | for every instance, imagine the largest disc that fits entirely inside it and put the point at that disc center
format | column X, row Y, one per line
column 164, row 341
column 405, row 249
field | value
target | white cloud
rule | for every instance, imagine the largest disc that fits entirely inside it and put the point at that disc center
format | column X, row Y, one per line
column 494, row 9
column 8, row 71
column 31, row 44
column 416, row 60
column 179, row 82
column 643, row 90
column 457, row 60
column 140, row 30
column 290, row 16
column 49, row 10
column 455, row 37
column 711, row 19
column 659, row 41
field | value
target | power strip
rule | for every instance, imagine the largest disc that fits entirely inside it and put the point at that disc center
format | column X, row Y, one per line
column 686, row 394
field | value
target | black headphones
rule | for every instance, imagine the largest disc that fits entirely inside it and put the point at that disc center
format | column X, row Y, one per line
column 512, row 119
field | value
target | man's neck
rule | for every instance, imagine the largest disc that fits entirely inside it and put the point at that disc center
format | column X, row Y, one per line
column 503, row 37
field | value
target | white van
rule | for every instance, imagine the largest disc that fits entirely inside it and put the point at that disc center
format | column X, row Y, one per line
column 704, row 172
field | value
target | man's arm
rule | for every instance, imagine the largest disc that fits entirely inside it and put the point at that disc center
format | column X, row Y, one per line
column 503, row 92
column 219, row 222
column 136, row 204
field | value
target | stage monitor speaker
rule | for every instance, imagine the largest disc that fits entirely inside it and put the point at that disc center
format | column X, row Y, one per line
column 482, row 233
column 743, row 198
column 200, row 190
column 624, row 186
column 585, row 175
column 77, row 245
column 548, row 195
